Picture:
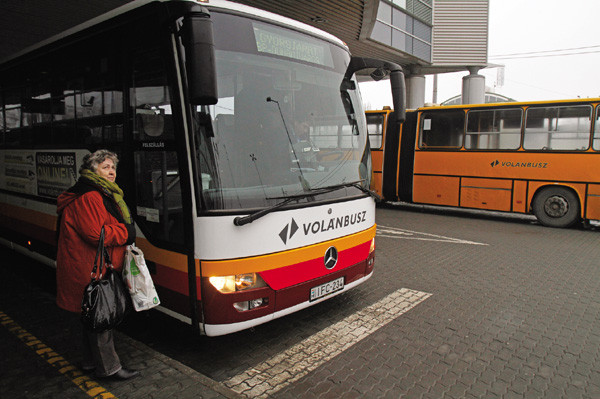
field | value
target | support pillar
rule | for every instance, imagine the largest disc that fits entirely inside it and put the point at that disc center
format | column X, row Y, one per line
column 415, row 91
column 473, row 87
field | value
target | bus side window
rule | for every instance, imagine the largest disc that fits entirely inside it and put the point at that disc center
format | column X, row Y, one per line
column 596, row 144
column 375, row 130
column 558, row 128
column 493, row 129
column 442, row 129
column 12, row 117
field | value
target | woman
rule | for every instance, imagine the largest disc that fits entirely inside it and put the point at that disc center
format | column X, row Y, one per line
column 94, row 201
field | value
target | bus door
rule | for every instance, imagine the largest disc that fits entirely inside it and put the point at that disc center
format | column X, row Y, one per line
column 162, row 194
column 398, row 158
column 376, row 130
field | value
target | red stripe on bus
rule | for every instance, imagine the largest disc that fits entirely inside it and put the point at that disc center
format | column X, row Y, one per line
column 300, row 272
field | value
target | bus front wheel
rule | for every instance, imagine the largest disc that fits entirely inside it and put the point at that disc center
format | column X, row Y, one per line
column 556, row 207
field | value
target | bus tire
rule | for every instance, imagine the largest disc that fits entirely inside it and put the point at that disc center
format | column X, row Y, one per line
column 556, row 207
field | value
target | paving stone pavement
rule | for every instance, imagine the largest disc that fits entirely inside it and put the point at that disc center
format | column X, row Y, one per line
column 34, row 333
column 512, row 312
column 518, row 317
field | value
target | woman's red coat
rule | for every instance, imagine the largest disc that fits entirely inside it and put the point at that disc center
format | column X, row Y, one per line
column 83, row 216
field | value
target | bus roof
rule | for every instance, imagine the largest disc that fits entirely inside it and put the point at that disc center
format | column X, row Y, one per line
column 229, row 5
column 216, row 4
column 515, row 103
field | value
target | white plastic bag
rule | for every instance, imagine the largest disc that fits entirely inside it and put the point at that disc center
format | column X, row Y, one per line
column 137, row 279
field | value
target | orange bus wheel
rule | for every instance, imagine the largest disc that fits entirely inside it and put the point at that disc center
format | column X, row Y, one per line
column 556, row 207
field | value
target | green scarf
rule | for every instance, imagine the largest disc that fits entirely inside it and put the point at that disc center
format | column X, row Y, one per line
column 109, row 188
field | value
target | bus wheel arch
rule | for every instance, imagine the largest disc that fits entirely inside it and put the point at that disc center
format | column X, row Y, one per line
column 556, row 206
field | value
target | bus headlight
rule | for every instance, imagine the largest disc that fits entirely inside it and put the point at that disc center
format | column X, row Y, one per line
column 238, row 282
column 245, row 281
column 223, row 283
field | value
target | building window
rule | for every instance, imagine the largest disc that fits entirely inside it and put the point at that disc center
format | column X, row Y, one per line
column 403, row 31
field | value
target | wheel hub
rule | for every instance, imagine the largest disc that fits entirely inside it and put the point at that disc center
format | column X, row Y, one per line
column 556, row 206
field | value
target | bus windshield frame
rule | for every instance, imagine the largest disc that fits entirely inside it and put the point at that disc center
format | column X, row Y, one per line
column 286, row 121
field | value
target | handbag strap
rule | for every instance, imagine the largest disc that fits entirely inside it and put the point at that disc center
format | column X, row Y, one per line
column 101, row 257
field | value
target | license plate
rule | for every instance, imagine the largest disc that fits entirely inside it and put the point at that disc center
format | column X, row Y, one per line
column 326, row 289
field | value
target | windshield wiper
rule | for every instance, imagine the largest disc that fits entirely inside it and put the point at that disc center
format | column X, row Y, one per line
column 355, row 184
column 328, row 189
column 358, row 184
column 242, row 220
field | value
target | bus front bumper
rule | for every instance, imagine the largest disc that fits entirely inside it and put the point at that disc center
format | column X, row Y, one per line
column 221, row 317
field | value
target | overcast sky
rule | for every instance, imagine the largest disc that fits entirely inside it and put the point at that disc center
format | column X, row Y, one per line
column 525, row 36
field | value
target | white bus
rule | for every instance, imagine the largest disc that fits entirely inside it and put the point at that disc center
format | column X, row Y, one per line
column 201, row 101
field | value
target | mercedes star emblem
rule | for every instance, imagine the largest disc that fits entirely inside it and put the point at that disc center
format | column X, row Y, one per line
column 331, row 258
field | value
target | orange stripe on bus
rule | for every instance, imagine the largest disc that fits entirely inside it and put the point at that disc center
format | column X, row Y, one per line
column 282, row 259
column 178, row 261
column 170, row 259
column 37, row 218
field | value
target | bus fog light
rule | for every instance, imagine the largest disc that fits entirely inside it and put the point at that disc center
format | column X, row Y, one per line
column 242, row 306
column 252, row 304
column 255, row 303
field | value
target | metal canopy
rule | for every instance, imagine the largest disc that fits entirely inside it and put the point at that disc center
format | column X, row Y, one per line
column 25, row 23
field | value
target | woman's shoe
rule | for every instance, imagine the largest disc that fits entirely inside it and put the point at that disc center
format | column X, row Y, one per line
column 125, row 374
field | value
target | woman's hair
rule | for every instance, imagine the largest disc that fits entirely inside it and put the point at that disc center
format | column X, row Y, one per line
column 91, row 161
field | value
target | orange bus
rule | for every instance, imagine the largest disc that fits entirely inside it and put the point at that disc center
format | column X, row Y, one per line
column 524, row 157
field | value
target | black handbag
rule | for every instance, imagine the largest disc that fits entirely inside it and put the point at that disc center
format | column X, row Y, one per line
column 106, row 300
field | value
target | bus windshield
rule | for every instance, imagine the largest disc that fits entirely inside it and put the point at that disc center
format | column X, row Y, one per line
column 285, row 123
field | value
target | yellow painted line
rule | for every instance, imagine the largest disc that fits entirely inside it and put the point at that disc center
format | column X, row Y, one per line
column 85, row 383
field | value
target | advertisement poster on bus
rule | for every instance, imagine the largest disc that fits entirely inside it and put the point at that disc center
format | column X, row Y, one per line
column 56, row 172
column 18, row 169
column 44, row 173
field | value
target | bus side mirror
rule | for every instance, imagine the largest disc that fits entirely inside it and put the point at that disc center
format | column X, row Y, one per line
column 382, row 69
column 200, row 66
column 398, row 95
